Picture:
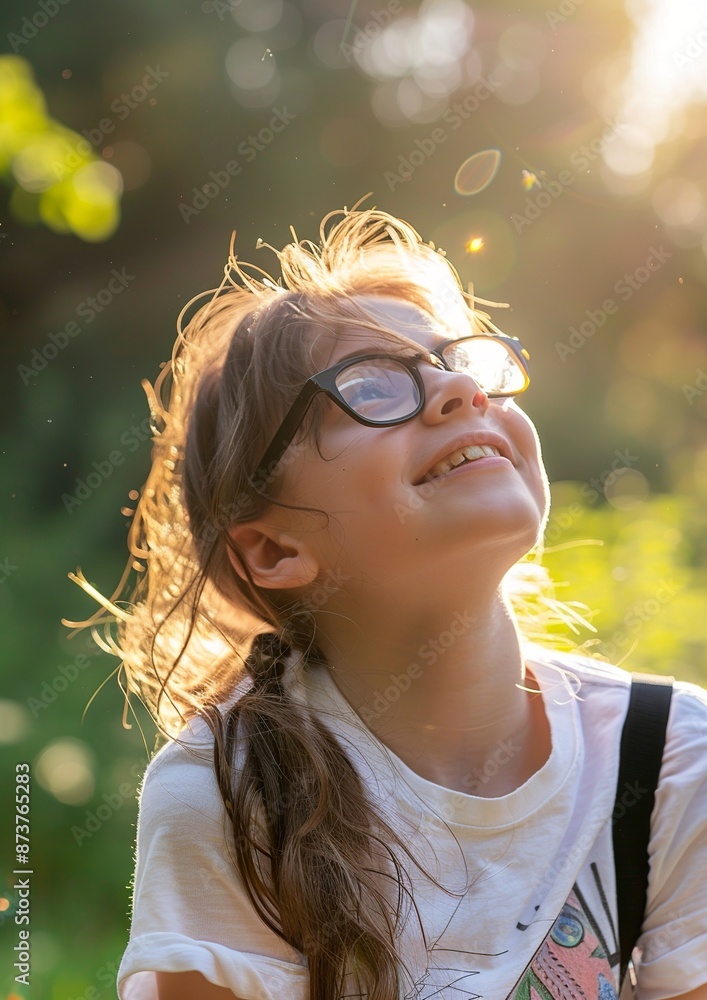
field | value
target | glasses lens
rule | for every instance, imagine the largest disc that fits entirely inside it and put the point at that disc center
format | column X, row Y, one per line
column 379, row 390
column 489, row 362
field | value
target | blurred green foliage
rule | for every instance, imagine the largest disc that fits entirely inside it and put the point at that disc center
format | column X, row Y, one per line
column 641, row 573
column 56, row 177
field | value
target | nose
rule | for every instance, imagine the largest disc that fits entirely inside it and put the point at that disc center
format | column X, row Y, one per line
column 447, row 392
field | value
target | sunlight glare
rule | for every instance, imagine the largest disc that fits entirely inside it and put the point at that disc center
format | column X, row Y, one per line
column 667, row 74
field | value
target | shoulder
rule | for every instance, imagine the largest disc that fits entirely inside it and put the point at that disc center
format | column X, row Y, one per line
column 179, row 785
column 581, row 670
column 602, row 691
column 182, row 776
column 598, row 691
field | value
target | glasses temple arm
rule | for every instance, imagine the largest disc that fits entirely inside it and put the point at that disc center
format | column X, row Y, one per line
column 282, row 437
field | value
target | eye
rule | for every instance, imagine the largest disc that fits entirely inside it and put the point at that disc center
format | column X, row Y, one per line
column 379, row 390
column 366, row 384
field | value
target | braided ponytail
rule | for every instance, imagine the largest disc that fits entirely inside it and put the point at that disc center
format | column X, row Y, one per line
column 266, row 662
column 316, row 864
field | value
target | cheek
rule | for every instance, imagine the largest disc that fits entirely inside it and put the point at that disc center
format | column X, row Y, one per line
column 363, row 531
column 523, row 432
column 359, row 486
column 345, row 480
column 535, row 458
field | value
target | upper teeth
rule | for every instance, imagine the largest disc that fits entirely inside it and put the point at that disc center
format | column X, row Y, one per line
column 457, row 457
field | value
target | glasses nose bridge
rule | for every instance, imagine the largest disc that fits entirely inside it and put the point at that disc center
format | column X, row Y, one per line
column 442, row 365
column 442, row 391
column 437, row 359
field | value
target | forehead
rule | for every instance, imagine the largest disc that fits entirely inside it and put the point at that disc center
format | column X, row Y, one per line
column 393, row 314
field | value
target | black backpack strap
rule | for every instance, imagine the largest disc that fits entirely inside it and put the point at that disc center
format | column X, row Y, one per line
column 642, row 742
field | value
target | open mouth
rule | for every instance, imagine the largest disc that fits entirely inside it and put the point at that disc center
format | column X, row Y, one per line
column 463, row 456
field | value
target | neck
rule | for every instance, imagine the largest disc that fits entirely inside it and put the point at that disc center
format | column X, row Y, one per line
column 446, row 692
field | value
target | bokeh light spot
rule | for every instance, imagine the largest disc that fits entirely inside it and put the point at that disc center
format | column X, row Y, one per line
column 515, row 86
column 330, row 45
column 626, row 489
column 416, row 104
column 522, row 47
column 245, row 66
column 97, row 181
column 257, row 15
column 65, row 769
column 44, row 158
column 630, row 152
column 15, row 721
column 677, row 201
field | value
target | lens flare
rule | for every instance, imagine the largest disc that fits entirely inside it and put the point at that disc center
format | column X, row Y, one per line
column 475, row 244
column 476, row 173
column 529, row 180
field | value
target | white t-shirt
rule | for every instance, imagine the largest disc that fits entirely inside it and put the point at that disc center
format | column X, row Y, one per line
column 539, row 917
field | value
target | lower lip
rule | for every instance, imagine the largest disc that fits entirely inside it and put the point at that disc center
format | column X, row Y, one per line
column 486, row 463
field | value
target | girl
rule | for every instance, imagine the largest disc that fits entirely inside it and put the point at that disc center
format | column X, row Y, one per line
column 377, row 783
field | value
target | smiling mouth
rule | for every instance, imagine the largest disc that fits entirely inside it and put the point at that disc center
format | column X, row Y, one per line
column 464, row 456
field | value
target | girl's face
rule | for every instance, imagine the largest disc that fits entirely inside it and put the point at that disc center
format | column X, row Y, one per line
column 396, row 516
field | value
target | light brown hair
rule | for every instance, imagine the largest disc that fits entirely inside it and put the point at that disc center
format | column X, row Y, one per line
column 309, row 846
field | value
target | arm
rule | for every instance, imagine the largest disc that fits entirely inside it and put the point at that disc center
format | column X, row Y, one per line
column 193, row 986
column 190, row 907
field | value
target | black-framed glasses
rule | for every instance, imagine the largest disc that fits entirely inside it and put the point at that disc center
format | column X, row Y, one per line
column 380, row 390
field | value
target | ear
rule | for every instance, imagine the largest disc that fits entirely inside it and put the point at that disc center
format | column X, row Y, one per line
column 276, row 560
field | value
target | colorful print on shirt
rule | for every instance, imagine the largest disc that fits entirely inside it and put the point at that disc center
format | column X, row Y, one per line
column 571, row 961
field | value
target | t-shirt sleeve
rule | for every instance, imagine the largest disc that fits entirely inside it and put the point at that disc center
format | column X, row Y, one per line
column 674, row 938
column 190, row 910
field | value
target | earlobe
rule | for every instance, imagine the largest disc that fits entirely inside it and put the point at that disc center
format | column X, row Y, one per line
column 275, row 560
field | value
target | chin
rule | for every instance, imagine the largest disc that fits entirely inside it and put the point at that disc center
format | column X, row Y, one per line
column 523, row 536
